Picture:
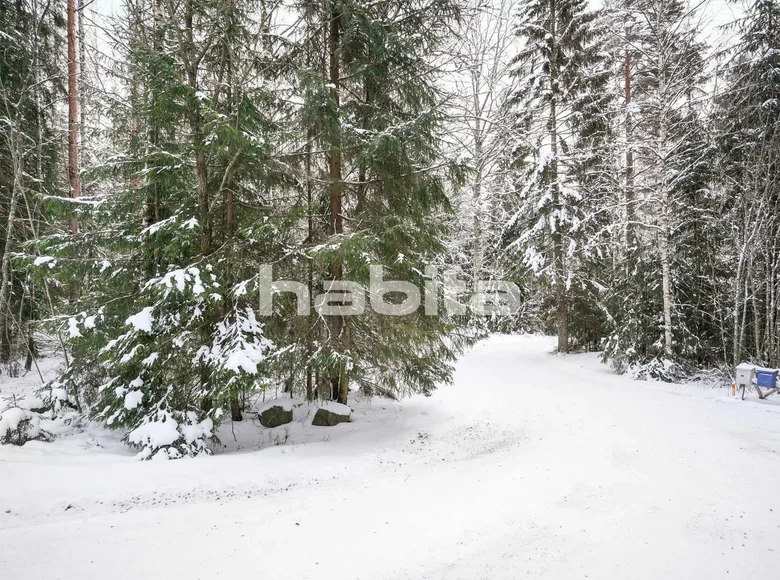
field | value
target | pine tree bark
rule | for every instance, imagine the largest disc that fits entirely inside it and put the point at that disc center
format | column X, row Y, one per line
column 82, row 73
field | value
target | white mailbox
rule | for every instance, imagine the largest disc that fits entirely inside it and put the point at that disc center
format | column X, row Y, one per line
column 745, row 374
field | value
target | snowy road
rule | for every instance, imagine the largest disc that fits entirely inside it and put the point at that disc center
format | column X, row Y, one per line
column 529, row 466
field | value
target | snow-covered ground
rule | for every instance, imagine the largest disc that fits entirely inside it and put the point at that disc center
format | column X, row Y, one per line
column 529, row 466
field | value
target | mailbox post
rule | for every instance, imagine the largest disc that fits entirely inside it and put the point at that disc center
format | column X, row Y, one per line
column 745, row 374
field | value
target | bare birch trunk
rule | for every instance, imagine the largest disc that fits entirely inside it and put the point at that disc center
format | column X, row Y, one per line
column 666, row 281
column 477, row 197
column 737, row 345
column 662, row 193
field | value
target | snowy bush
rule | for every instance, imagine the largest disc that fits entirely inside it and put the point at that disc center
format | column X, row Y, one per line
column 660, row 369
column 171, row 435
column 17, row 426
column 56, row 400
column 177, row 362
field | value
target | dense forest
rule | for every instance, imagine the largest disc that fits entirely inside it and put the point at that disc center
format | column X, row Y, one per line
column 616, row 165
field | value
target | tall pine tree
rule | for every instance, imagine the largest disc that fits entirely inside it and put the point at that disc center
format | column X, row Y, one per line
column 558, row 107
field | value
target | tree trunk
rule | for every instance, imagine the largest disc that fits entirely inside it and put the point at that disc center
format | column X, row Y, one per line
column 479, row 249
column 32, row 349
column 737, row 345
column 629, row 192
column 191, row 63
column 6, row 317
column 82, row 93
column 664, row 209
column 773, row 285
column 230, row 212
column 338, row 380
column 311, row 321
column 666, row 283
column 235, row 406
column 152, row 214
column 73, row 114
column 559, row 266
column 230, row 219
column 479, row 137
column 202, row 174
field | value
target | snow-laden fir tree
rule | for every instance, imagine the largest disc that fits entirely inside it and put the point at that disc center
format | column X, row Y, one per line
column 317, row 153
column 167, row 340
column 377, row 182
column 559, row 111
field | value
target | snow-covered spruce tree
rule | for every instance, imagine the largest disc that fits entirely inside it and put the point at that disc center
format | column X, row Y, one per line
column 747, row 133
column 167, row 338
column 594, row 170
column 650, row 329
column 559, row 128
column 376, row 179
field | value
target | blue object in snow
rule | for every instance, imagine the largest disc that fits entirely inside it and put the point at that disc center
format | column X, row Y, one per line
column 766, row 379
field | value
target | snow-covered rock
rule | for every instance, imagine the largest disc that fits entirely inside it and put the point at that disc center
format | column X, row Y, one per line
column 330, row 414
column 275, row 413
